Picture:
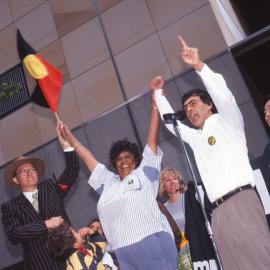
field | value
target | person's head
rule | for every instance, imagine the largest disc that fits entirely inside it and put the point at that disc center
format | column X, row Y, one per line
column 24, row 173
column 124, row 157
column 198, row 106
column 267, row 110
column 171, row 182
column 62, row 240
column 95, row 225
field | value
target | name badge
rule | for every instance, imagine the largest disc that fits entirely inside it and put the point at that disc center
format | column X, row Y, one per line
column 132, row 182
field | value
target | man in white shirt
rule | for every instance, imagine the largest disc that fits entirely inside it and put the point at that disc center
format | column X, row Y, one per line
column 219, row 145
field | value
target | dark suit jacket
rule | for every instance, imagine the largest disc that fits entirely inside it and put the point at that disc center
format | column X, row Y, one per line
column 26, row 226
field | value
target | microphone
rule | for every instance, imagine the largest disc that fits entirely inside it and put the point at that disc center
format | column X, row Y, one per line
column 178, row 115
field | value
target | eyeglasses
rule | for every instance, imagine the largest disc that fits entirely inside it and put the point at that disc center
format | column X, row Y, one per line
column 26, row 171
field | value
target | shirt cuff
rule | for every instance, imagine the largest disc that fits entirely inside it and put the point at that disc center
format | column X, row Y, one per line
column 69, row 149
column 206, row 71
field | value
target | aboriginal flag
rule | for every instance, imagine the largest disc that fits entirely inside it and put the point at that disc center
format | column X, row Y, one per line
column 49, row 79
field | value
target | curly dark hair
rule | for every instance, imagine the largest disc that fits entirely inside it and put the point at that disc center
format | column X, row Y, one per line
column 203, row 95
column 93, row 220
column 60, row 240
column 121, row 146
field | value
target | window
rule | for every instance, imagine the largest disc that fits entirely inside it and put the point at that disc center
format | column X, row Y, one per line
column 253, row 57
column 13, row 90
column 253, row 14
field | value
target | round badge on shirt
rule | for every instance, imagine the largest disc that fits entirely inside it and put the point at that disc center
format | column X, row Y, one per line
column 211, row 140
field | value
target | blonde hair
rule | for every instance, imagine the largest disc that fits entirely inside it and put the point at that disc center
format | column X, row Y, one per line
column 165, row 173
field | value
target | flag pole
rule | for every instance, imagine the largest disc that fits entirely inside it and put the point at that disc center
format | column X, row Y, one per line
column 57, row 117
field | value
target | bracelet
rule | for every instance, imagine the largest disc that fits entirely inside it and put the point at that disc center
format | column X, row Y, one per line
column 76, row 145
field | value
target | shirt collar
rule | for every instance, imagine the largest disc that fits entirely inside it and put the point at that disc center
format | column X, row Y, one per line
column 211, row 119
column 29, row 194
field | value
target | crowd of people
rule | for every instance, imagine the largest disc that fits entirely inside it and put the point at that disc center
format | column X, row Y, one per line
column 133, row 230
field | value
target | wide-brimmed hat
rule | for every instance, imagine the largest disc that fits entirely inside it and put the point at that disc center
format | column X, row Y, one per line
column 12, row 167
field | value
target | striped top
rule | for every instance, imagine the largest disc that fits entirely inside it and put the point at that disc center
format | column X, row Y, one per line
column 128, row 209
column 88, row 256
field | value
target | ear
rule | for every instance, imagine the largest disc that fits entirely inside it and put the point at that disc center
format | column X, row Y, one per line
column 15, row 180
column 210, row 106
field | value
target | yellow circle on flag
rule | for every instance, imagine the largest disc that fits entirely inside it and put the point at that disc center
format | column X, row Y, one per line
column 35, row 67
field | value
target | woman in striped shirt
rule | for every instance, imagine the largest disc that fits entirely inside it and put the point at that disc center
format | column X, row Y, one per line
column 135, row 228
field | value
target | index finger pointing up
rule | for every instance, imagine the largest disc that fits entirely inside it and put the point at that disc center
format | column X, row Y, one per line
column 182, row 42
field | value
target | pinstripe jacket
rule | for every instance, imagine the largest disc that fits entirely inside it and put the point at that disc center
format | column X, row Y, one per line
column 26, row 226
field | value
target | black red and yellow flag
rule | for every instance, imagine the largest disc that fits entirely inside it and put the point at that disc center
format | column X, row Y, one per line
column 49, row 78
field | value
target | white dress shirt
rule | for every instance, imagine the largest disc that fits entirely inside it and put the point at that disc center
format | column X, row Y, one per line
column 128, row 209
column 224, row 165
column 29, row 195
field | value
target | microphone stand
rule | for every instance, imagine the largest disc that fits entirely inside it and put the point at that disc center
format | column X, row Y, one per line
column 207, row 223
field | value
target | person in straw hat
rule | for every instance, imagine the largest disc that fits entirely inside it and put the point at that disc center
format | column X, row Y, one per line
column 39, row 208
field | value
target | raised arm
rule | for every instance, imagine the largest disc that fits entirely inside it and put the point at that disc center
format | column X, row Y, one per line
column 215, row 85
column 190, row 55
column 164, row 107
column 86, row 156
column 70, row 173
column 153, row 126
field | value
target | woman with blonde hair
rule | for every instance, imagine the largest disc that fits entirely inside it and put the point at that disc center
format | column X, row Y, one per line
column 195, row 246
column 173, row 188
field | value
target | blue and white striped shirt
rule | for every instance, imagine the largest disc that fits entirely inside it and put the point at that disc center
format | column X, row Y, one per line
column 128, row 209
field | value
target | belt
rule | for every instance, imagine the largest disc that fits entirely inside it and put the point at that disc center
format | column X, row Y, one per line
column 222, row 199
